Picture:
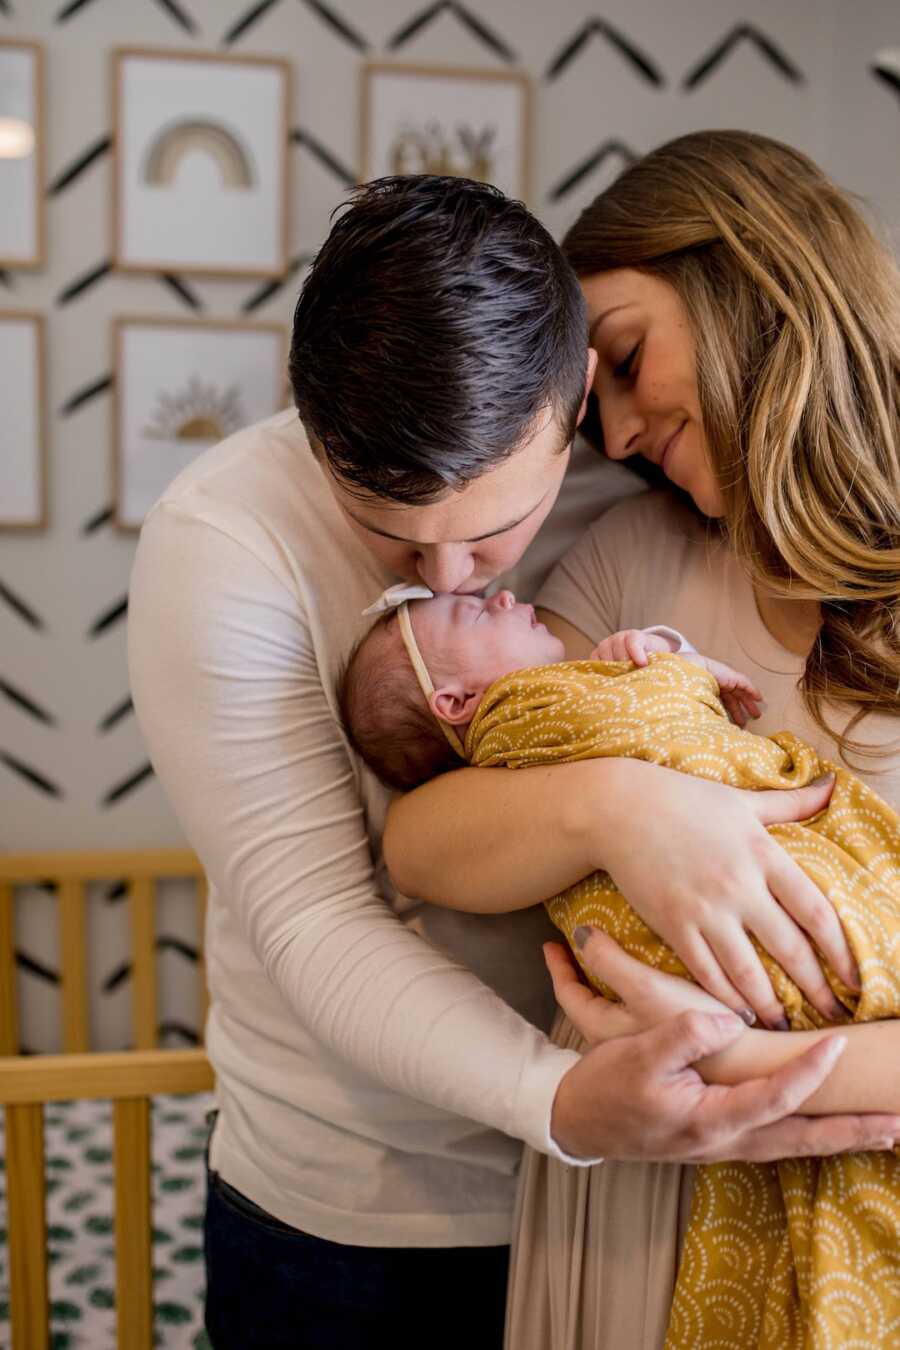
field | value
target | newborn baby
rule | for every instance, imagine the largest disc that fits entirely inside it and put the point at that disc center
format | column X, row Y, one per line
column 410, row 725
column 461, row 679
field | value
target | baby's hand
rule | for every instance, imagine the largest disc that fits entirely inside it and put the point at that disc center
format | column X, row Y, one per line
column 741, row 698
column 630, row 645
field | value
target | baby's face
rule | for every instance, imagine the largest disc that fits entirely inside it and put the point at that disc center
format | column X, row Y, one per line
column 480, row 640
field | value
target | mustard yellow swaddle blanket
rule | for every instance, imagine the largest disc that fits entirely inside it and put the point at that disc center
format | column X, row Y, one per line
column 803, row 1253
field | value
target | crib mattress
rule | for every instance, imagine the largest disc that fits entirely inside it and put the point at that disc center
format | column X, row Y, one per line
column 78, row 1154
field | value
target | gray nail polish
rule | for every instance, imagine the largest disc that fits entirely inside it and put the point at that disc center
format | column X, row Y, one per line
column 781, row 1025
column 749, row 1016
column 581, row 935
column 822, row 778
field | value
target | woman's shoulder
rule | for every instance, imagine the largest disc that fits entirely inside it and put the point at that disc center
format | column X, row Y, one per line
column 659, row 515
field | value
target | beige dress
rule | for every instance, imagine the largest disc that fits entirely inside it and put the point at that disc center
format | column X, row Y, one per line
column 595, row 1250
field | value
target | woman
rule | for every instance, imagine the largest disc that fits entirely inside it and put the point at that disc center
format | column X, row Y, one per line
column 746, row 325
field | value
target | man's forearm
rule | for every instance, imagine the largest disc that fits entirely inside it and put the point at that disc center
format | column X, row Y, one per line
column 494, row 840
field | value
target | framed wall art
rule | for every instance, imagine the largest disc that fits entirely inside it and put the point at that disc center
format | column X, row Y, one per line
column 23, row 442
column 181, row 385
column 444, row 120
column 200, row 173
column 21, row 154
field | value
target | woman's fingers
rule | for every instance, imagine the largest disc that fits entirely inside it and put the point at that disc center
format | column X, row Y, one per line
column 696, row 954
column 777, row 805
column 813, row 911
column 610, row 963
column 781, row 937
column 737, row 956
column 594, row 1016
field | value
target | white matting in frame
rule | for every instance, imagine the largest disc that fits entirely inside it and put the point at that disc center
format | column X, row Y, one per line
column 180, row 387
column 21, row 154
column 439, row 119
column 23, row 458
column 201, row 163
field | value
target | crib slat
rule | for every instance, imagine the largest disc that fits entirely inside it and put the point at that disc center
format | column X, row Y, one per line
column 9, row 1013
column 27, row 1227
column 114, row 1074
column 203, row 990
column 134, row 1271
column 106, row 866
column 143, row 948
column 73, row 946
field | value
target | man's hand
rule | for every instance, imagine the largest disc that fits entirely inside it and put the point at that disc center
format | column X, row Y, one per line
column 636, row 1096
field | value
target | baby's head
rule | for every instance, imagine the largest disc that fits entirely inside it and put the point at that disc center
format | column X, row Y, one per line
column 465, row 642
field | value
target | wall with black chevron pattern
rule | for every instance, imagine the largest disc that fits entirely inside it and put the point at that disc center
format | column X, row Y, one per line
column 610, row 81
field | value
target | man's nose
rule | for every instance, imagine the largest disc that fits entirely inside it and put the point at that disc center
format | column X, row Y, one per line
column 502, row 600
column 445, row 566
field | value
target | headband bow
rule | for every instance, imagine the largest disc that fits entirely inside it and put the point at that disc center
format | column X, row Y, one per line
column 398, row 597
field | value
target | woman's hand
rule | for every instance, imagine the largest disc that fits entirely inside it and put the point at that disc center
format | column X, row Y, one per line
column 694, row 859
column 648, row 996
column 638, row 1091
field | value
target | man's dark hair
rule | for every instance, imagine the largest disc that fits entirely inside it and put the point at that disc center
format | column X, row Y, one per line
column 438, row 319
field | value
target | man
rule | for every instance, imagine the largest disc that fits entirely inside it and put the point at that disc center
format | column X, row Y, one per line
column 379, row 1061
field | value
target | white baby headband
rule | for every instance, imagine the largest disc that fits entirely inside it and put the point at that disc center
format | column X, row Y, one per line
column 398, row 598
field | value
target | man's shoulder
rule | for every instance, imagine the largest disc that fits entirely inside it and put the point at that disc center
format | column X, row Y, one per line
column 245, row 464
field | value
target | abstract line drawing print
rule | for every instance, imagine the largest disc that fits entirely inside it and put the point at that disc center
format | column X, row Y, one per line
column 463, row 153
column 886, row 67
column 199, row 412
column 180, row 139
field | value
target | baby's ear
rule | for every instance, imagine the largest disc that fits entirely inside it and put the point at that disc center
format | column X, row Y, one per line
column 454, row 704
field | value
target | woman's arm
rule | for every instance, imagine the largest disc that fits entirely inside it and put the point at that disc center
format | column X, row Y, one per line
column 858, row 1082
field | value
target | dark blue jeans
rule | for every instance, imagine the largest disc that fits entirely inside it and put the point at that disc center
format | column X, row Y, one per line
column 273, row 1287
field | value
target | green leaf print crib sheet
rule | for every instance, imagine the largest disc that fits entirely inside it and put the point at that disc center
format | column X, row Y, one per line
column 80, row 1197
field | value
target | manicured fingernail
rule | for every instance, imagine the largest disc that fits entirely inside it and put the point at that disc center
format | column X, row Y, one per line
column 781, row 1025
column 822, row 779
column 883, row 1143
column 581, row 935
column 749, row 1016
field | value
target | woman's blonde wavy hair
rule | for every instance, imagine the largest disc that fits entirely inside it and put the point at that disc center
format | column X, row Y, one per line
column 795, row 311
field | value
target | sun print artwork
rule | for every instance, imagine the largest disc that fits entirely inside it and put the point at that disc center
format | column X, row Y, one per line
column 180, row 388
column 198, row 412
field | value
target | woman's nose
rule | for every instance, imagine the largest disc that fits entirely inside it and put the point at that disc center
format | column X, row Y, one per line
column 622, row 434
column 445, row 567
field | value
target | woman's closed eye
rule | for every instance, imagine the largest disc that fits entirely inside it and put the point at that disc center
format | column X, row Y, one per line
column 624, row 368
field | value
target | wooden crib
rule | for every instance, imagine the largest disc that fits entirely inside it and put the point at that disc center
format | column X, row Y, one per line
column 129, row 1079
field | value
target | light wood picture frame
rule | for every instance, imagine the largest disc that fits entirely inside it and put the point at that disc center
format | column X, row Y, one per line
column 23, row 428
column 22, row 154
column 179, row 387
column 200, row 164
column 457, row 120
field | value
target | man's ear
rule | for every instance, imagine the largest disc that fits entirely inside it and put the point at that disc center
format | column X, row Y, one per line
column 588, row 381
column 455, row 704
